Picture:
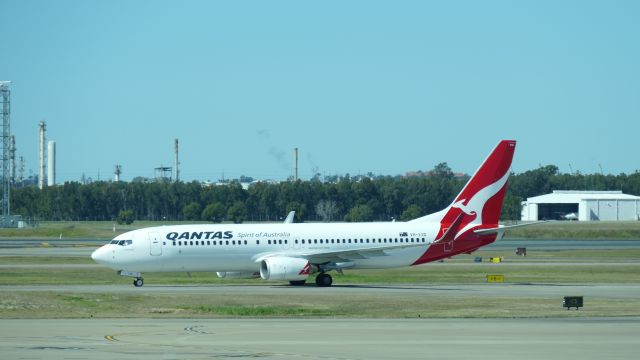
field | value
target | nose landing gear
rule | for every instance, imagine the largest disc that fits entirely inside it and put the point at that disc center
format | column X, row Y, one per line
column 138, row 282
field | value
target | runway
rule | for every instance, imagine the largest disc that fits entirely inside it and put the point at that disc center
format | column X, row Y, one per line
column 321, row 339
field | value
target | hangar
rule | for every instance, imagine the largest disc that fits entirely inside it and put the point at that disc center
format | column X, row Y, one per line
column 588, row 205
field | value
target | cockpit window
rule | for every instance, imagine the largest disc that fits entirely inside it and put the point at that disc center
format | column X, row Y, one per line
column 122, row 242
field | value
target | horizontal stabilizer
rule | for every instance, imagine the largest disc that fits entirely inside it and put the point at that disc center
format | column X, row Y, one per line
column 503, row 228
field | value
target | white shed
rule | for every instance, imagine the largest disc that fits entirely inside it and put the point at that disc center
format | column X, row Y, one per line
column 588, row 205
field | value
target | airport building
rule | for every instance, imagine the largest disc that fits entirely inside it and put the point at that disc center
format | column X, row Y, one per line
column 583, row 205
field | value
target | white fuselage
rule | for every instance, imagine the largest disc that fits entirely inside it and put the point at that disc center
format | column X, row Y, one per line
column 238, row 248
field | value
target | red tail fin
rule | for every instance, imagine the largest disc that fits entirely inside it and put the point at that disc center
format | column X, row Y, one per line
column 477, row 206
column 484, row 193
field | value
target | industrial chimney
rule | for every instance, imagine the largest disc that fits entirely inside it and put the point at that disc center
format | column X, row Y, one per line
column 51, row 153
column 177, row 162
column 41, row 155
column 117, row 172
column 295, row 161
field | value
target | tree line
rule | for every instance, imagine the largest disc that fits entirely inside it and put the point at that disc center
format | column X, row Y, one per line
column 345, row 198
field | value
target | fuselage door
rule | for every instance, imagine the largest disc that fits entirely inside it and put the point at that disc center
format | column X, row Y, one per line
column 155, row 245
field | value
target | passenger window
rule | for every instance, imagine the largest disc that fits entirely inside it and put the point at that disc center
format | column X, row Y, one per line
column 227, row 242
column 315, row 241
column 257, row 242
column 280, row 242
column 174, row 243
column 208, row 242
column 245, row 242
column 233, row 242
column 197, row 242
column 214, row 242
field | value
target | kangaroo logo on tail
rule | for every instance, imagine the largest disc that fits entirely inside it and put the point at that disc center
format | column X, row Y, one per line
column 465, row 209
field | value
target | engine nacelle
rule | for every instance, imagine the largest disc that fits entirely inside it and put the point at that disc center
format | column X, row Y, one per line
column 284, row 268
column 238, row 275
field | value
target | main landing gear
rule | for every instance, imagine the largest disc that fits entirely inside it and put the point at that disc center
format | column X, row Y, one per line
column 138, row 282
column 324, row 280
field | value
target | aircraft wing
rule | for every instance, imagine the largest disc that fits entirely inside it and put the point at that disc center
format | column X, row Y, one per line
column 339, row 256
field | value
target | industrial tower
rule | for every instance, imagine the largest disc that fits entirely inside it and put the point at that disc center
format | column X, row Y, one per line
column 6, row 151
column 177, row 163
column 43, row 129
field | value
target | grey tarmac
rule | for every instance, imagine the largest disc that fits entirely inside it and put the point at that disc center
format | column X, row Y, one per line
column 493, row 339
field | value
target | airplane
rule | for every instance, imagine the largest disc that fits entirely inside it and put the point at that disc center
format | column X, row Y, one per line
column 295, row 251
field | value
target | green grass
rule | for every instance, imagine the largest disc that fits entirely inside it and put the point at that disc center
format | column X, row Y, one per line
column 578, row 230
column 76, row 229
column 45, row 260
column 317, row 304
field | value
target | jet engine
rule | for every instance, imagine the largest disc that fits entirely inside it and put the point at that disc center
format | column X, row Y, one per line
column 284, row 268
column 238, row 275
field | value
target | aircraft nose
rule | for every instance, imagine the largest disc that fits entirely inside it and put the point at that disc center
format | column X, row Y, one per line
column 100, row 255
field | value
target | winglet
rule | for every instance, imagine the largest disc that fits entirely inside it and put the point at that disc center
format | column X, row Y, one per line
column 289, row 219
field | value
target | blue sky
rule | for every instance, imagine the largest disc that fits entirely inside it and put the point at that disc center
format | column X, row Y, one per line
column 358, row 86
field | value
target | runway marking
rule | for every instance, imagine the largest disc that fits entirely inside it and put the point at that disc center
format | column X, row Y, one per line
column 197, row 329
column 111, row 338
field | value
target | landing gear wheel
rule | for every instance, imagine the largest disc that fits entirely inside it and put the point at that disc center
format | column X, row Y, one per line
column 138, row 282
column 324, row 280
column 297, row 282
